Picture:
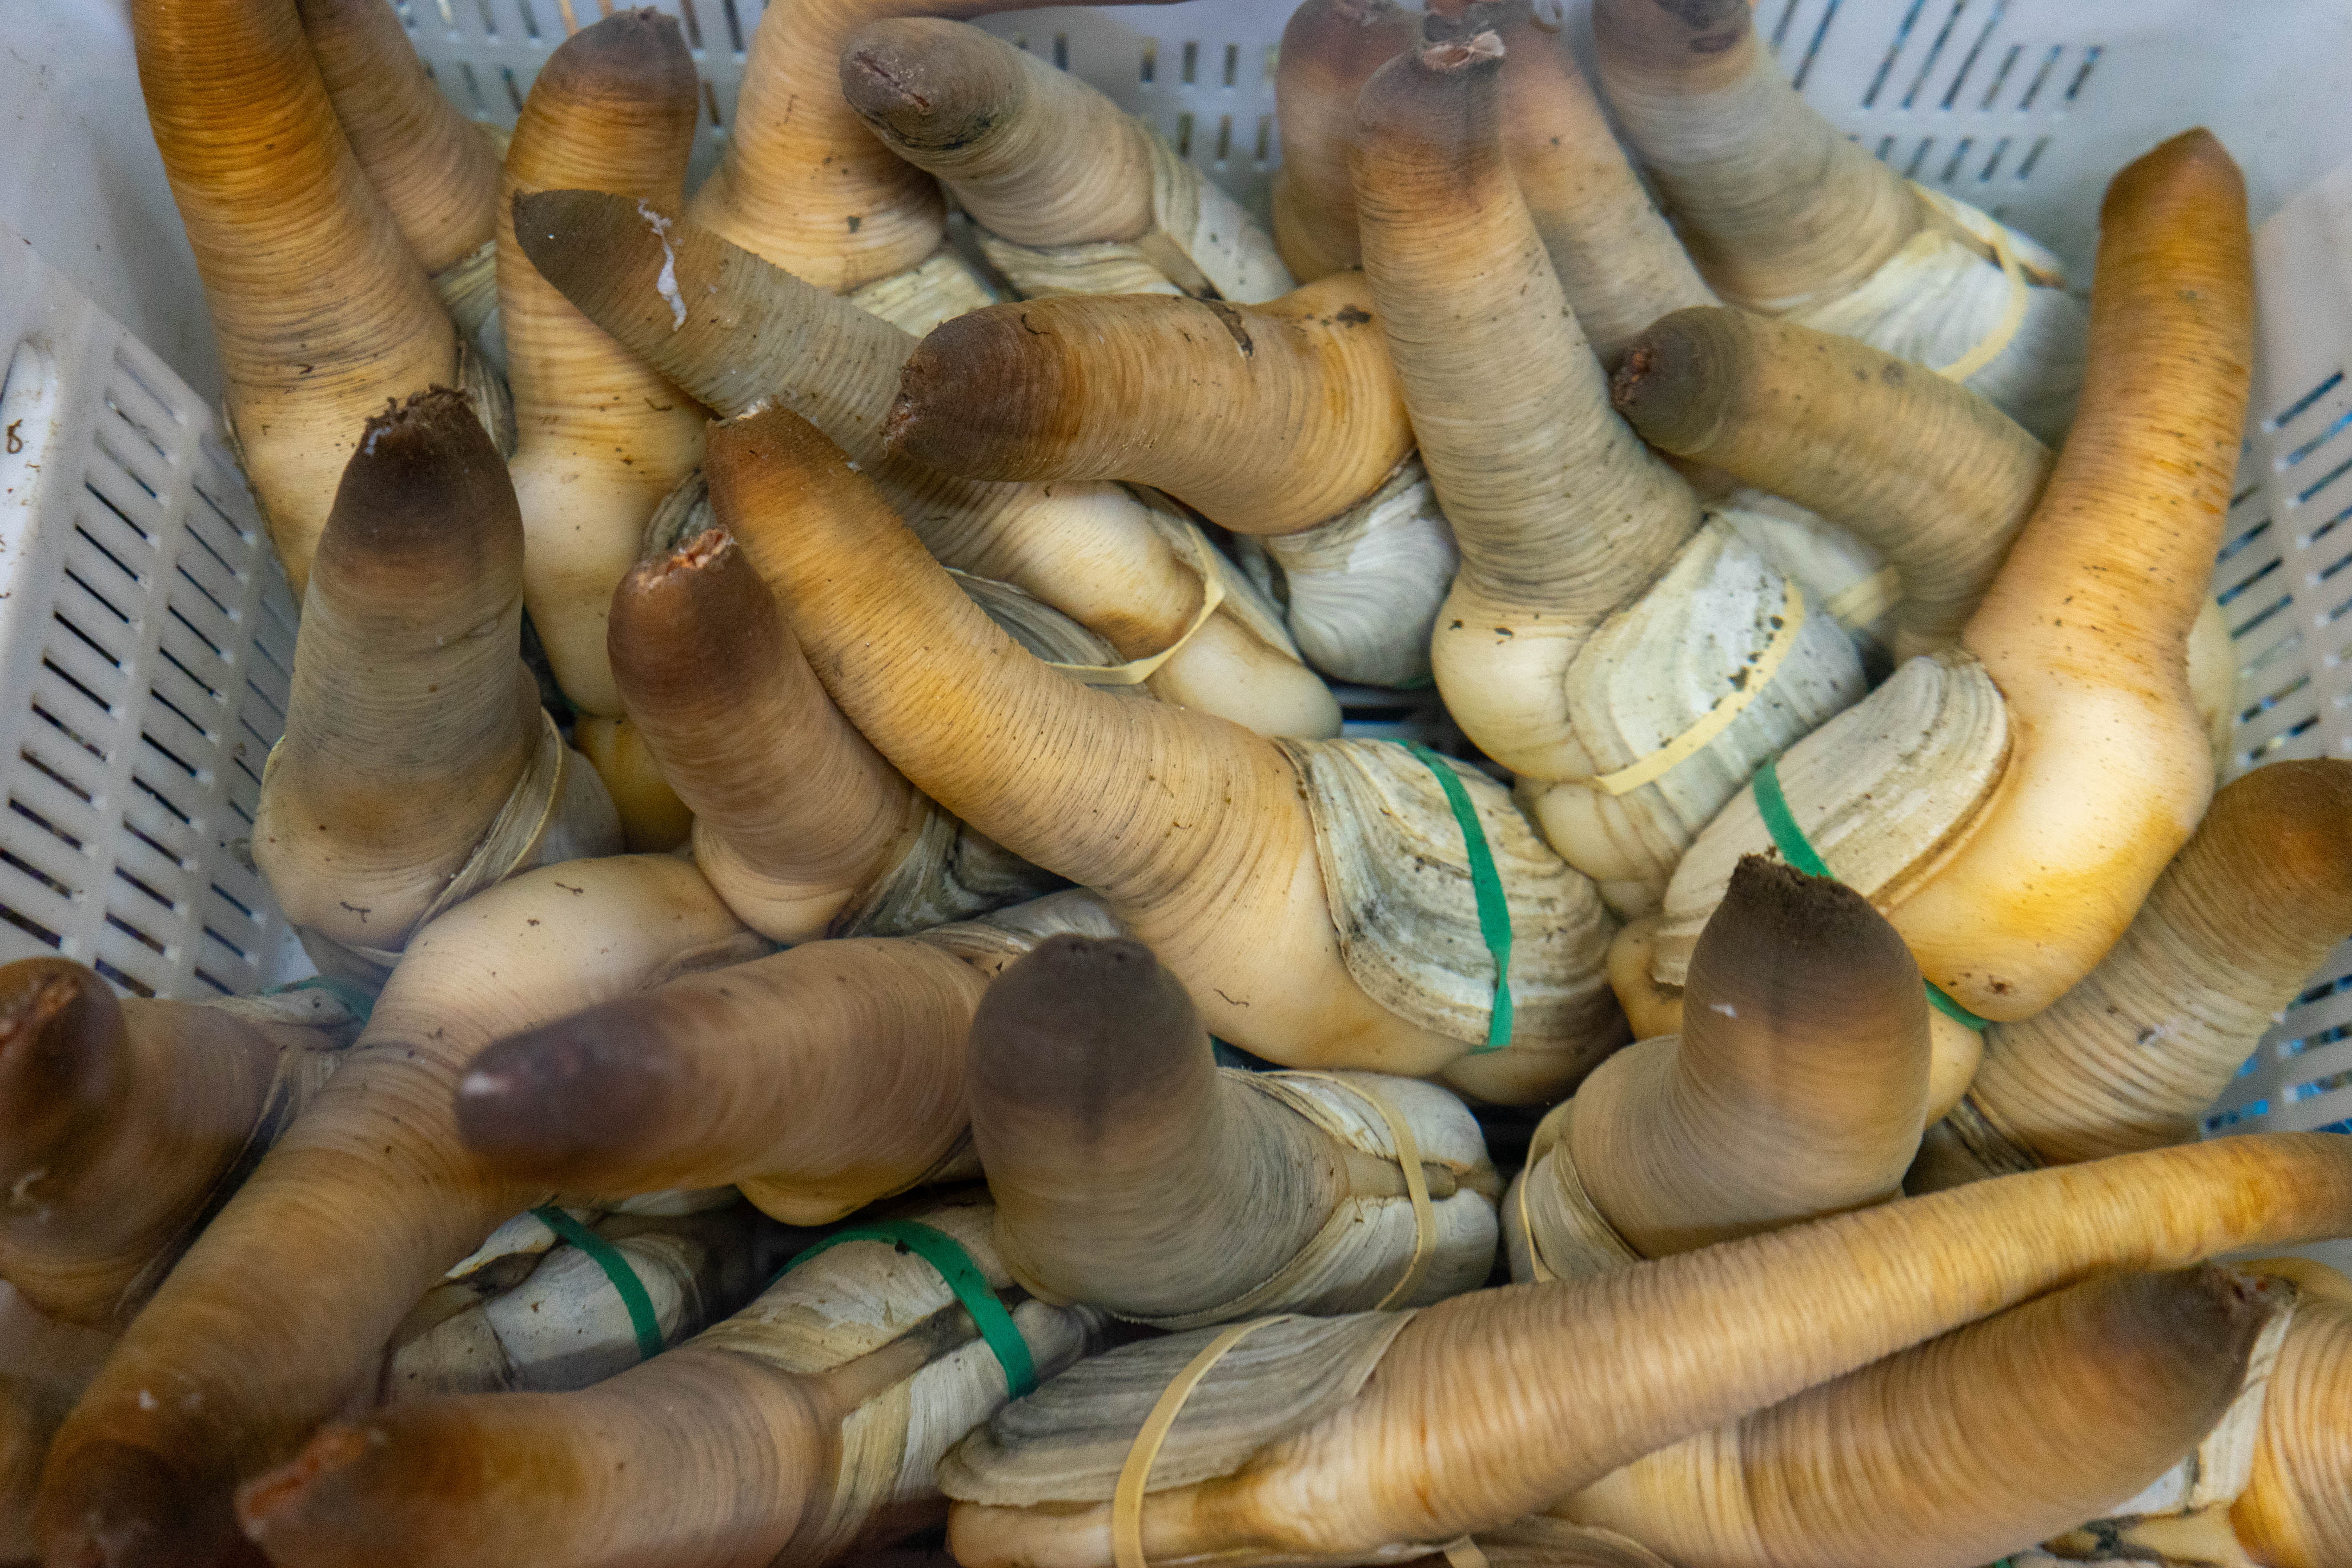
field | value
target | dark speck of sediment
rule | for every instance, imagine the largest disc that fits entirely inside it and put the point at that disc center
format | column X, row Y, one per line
column 1232, row 324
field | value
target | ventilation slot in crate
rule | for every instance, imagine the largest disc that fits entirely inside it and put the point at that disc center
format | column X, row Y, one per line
column 141, row 707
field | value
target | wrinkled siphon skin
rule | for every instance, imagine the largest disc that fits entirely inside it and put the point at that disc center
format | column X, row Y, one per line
column 1678, row 1345
column 319, row 311
column 2085, row 627
column 1804, row 1366
column 375, row 1177
column 435, row 170
column 600, row 435
column 2010, row 1431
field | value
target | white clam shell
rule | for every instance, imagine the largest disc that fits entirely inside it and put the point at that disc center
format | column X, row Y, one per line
column 1880, row 790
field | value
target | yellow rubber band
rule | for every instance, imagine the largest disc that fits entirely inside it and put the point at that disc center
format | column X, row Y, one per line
column 1717, row 719
column 1416, row 1185
column 1990, row 347
column 1866, row 599
column 1127, row 1496
column 1536, row 1267
column 1136, row 671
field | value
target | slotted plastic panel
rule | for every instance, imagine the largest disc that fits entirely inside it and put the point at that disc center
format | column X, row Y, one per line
column 1201, row 73
column 2025, row 106
column 2285, row 582
column 145, row 635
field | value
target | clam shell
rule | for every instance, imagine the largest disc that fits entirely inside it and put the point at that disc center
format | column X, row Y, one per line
column 2213, row 682
column 1544, row 1542
column 1879, row 791
column 1397, row 876
column 1007, row 933
column 1937, row 298
column 1367, row 1245
column 1655, row 668
column 853, row 1299
column 1845, row 574
column 1202, row 244
column 1363, row 589
column 942, row 286
column 566, row 1327
column 1245, row 600
column 468, row 291
column 529, row 1311
column 1036, row 625
column 1548, row 1203
column 950, row 872
column 685, row 513
column 484, row 384
column 1067, row 1442
column 309, row 1006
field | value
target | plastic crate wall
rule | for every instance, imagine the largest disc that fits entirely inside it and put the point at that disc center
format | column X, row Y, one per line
column 2024, row 107
column 146, row 635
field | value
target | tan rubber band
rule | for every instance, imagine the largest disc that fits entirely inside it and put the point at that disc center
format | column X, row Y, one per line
column 1535, row 1264
column 1866, row 599
column 1599, row 1242
column 1462, row 1552
column 1134, row 1476
column 1717, row 719
column 1416, row 1186
column 1136, row 671
column 2013, row 316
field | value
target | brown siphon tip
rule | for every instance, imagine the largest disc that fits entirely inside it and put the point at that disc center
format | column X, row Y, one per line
column 2200, row 1323
column 580, row 1093
column 1799, row 953
column 634, row 54
column 109, row 1504
column 932, row 85
column 62, row 1055
column 1677, row 379
column 1675, row 38
column 1457, row 21
column 1342, row 42
column 1708, row 27
column 594, row 246
column 2188, row 180
column 2286, row 828
column 1092, row 1027
column 697, row 616
column 1439, row 107
column 985, row 396
column 424, row 501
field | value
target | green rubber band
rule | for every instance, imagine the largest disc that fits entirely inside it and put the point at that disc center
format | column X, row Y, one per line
column 955, row 1266
column 1493, row 909
column 1798, row 851
column 616, row 1269
column 350, row 992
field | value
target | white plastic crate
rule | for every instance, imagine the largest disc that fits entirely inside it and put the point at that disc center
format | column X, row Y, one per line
column 2024, row 107
column 146, row 638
